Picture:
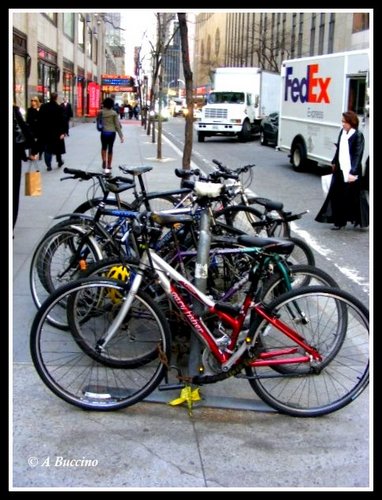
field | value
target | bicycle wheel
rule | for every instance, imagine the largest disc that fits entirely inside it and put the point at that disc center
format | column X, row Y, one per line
column 60, row 257
column 301, row 253
column 84, row 369
column 336, row 324
column 238, row 219
column 298, row 276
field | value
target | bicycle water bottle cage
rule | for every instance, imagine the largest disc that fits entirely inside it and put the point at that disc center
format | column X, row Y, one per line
column 208, row 189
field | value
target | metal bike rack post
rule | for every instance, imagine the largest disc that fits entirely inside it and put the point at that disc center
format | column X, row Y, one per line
column 201, row 274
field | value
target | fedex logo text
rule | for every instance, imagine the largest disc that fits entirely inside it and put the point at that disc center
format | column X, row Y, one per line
column 311, row 88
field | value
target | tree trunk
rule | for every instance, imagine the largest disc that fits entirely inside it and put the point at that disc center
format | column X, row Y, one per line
column 187, row 150
column 159, row 143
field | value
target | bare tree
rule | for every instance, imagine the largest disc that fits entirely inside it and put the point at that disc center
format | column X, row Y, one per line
column 163, row 41
column 187, row 150
column 259, row 42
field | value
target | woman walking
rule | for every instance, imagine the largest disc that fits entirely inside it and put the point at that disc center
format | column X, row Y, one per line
column 110, row 127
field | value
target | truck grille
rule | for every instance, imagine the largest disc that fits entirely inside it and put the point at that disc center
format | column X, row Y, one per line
column 215, row 113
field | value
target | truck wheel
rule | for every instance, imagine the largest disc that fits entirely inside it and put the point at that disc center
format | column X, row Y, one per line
column 263, row 140
column 201, row 136
column 298, row 157
column 245, row 133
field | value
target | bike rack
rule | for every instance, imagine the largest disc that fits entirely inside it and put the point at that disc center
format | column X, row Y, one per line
column 212, row 401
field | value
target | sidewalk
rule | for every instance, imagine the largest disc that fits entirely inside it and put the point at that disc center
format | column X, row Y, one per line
column 233, row 441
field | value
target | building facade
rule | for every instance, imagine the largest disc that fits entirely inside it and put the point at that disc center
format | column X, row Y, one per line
column 67, row 53
column 265, row 39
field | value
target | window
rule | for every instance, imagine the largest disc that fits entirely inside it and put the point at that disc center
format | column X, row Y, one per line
column 69, row 25
column 357, row 94
column 312, row 35
column 89, row 43
column 331, row 34
column 321, row 34
column 81, row 32
column 52, row 16
column 360, row 22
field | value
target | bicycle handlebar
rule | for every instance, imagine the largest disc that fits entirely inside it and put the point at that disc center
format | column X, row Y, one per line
column 237, row 171
column 85, row 176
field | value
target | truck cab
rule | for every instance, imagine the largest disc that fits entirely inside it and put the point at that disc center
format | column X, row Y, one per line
column 241, row 98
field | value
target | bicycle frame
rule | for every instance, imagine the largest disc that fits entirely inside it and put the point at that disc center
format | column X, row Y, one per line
column 225, row 349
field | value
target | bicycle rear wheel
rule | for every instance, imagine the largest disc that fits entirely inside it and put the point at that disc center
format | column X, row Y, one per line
column 299, row 276
column 333, row 322
column 83, row 369
column 59, row 258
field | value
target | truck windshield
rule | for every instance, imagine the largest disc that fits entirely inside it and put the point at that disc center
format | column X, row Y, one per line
column 226, row 98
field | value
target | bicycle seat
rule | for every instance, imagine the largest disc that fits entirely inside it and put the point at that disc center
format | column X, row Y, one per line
column 170, row 219
column 275, row 245
column 265, row 202
column 135, row 170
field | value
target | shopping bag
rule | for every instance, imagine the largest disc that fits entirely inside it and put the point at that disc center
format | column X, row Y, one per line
column 33, row 184
column 325, row 183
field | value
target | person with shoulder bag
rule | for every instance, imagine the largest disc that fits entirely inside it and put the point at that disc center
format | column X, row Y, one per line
column 109, row 129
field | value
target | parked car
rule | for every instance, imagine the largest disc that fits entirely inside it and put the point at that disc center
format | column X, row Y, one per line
column 269, row 129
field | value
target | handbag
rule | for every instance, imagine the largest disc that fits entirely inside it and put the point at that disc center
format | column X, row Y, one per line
column 33, row 184
column 326, row 180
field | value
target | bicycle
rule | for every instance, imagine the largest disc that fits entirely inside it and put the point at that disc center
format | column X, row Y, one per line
column 305, row 354
column 72, row 245
column 244, row 218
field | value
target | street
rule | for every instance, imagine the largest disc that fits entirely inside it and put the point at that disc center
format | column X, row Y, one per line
column 343, row 254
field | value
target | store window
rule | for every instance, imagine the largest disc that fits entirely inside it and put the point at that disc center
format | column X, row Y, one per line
column 48, row 73
column 21, row 65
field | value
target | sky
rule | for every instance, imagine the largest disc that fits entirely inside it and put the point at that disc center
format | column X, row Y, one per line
column 139, row 26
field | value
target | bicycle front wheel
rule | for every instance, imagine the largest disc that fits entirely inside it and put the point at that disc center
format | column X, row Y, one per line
column 84, row 367
column 336, row 324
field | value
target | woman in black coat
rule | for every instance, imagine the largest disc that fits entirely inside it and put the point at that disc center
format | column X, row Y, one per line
column 342, row 203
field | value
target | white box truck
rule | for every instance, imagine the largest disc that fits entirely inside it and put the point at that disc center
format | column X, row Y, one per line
column 240, row 99
column 315, row 91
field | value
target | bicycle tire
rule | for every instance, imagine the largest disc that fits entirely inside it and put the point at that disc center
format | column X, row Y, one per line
column 56, row 259
column 250, row 221
column 125, row 372
column 300, row 276
column 301, row 253
column 317, row 388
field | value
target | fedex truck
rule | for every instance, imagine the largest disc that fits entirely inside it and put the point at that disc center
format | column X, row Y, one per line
column 315, row 91
column 241, row 98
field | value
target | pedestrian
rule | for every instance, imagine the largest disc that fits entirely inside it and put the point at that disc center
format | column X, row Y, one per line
column 110, row 127
column 68, row 113
column 32, row 119
column 136, row 111
column 22, row 141
column 342, row 203
column 52, row 131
